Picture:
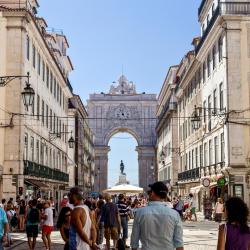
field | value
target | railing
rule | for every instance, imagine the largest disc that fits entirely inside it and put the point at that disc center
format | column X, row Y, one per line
column 69, row 86
column 224, row 8
column 19, row 4
column 201, row 6
column 38, row 170
column 167, row 107
column 191, row 174
column 235, row 8
column 209, row 27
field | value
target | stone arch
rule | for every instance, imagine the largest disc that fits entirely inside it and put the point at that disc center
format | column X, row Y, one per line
column 123, row 110
column 116, row 130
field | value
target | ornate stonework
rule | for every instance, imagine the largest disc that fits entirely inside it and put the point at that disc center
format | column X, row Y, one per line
column 123, row 110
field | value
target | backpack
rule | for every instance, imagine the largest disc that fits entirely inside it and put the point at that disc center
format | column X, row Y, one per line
column 33, row 216
column 14, row 220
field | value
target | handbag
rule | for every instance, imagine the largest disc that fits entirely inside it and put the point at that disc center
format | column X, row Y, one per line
column 121, row 244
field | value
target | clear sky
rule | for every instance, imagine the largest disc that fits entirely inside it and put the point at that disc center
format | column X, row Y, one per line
column 144, row 37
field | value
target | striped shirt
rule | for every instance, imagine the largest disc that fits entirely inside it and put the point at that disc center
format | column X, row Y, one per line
column 123, row 208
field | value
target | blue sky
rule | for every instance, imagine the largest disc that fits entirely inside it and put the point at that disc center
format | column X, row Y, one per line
column 144, row 37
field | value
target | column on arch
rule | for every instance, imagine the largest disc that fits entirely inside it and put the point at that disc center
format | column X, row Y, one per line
column 146, row 159
column 101, row 168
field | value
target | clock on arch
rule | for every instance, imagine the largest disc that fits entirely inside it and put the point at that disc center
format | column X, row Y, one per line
column 122, row 113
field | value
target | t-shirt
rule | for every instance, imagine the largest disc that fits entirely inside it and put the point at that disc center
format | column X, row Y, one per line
column 49, row 220
column 3, row 221
column 192, row 203
column 109, row 215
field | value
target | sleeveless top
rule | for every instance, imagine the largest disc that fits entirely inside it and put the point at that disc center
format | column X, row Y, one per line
column 235, row 239
column 22, row 210
column 75, row 242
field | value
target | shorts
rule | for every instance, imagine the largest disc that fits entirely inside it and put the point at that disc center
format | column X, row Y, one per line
column 192, row 210
column 111, row 232
column 32, row 231
column 47, row 229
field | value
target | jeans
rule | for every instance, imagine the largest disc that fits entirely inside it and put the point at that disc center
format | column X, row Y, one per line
column 1, row 244
column 124, row 222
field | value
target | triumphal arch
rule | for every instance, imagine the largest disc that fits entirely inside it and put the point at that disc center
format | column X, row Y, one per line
column 122, row 109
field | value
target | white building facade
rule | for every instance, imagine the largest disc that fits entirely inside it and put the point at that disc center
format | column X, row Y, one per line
column 213, row 86
column 167, row 150
column 34, row 142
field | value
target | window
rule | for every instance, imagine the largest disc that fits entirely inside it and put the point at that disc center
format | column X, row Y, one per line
column 189, row 160
column 47, row 76
column 215, row 101
column 208, row 19
column 214, row 57
column 54, row 123
column 42, row 154
column 47, row 116
column 205, row 154
column 196, row 157
column 201, row 156
column 25, row 156
column 60, row 97
column 209, row 103
column 210, row 152
column 43, row 71
column 222, row 147
column 204, row 111
column 192, row 166
column 33, row 107
column 213, row 8
column 50, row 157
column 38, row 107
column 28, row 47
column 208, row 65
column 221, row 97
column 37, row 151
column 34, row 56
column 203, row 29
column 55, row 88
column 220, row 48
column 52, row 79
column 216, row 148
column 38, row 64
column 43, row 112
column 57, row 92
column 32, row 148
column 204, row 72
column 51, row 120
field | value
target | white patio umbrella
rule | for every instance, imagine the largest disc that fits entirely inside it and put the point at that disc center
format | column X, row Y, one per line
column 124, row 189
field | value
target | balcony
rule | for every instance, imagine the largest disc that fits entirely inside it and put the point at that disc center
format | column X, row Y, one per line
column 225, row 8
column 41, row 171
column 191, row 174
column 201, row 6
column 20, row 4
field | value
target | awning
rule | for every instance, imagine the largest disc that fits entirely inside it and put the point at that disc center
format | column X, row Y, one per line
column 197, row 189
column 37, row 183
column 213, row 184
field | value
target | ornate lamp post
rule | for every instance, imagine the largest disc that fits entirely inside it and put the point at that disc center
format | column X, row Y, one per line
column 195, row 119
column 28, row 92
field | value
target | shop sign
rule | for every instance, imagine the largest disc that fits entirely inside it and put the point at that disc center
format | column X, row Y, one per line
column 221, row 181
column 206, row 182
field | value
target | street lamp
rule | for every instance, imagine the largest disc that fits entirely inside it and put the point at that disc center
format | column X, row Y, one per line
column 28, row 92
column 71, row 141
column 195, row 119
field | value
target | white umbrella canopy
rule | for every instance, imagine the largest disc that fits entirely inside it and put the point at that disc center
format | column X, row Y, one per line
column 124, row 188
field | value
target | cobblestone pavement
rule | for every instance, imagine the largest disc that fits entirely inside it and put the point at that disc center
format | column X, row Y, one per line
column 197, row 236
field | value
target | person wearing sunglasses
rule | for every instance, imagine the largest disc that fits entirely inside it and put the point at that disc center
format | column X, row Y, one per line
column 157, row 226
column 63, row 224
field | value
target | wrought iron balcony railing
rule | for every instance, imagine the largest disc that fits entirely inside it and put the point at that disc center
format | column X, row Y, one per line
column 38, row 170
column 223, row 8
column 191, row 174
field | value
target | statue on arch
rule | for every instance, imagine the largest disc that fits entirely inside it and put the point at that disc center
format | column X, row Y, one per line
column 122, row 167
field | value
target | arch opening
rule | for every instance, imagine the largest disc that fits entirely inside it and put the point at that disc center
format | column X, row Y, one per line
column 122, row 145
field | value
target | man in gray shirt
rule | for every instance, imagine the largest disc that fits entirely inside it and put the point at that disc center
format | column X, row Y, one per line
column 157, row 226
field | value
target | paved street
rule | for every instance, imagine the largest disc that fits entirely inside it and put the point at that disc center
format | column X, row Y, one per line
column 197, row 236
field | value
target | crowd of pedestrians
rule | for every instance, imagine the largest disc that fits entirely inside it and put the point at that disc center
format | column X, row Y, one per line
column 87, row 223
